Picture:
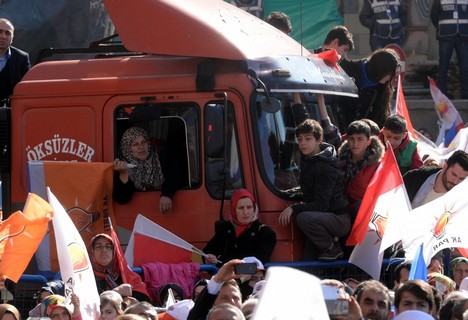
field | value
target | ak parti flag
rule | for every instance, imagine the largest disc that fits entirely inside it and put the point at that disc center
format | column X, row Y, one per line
column 128, row 275
column 169, row 247
column 438, row 224
column 75, row 266
column 84, row 190
column 385, row 195
column 451, row 121
column 21, row 234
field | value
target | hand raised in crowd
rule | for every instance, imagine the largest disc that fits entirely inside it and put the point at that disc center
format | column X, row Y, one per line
column 285, row 216
column 124, row 289
column 211, row 258
column 226, row 272
column 75, row 300
column 354, row 313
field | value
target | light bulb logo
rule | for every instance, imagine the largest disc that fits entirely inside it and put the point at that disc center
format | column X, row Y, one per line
column 82, row 218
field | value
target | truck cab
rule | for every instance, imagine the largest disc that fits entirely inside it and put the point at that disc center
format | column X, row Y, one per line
column 210, row 83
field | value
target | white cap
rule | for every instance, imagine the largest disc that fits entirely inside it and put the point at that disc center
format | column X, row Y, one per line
column 414, row 315
column 180, row 310
column 253, row 259
column 464, row 285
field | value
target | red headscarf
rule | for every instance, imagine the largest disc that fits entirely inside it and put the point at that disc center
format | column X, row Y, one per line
column 239, row 194
column 109, row 273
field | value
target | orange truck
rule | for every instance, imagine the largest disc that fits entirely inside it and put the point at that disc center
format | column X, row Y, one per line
column 211, row 83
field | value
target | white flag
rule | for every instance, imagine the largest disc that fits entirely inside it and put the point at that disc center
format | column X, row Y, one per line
column 385, row 196
column 75, row 266
column 438, row 224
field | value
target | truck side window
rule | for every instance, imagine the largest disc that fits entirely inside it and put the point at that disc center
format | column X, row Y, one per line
column 173, row 132
column 223, row 168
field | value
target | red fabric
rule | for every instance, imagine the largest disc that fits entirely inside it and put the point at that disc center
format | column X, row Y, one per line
column 463, row 252
column 165, row 316
column 330, row 56
column 166, row 253
column 128, row 276
column 357, row 187
column 386, row 178
column 402, row 109
column 159, row 274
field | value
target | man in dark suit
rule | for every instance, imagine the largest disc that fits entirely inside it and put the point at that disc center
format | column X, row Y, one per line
column 14, row 63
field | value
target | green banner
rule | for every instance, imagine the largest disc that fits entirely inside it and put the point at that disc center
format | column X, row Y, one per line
column 311, row 19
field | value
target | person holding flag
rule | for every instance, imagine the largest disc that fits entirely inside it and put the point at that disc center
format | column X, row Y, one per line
column 359, row 156
column 108, row 273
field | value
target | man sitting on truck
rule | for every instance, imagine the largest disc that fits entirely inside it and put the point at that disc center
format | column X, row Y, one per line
column 322, row 216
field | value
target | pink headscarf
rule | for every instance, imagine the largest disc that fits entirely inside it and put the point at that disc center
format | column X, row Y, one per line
column 239, row 194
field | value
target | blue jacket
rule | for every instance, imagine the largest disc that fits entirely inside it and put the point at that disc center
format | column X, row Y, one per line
column 386, row 19
column 450, row 17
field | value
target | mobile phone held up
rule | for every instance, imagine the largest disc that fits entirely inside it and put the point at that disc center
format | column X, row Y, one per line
column 335, row 306
column 245, row 268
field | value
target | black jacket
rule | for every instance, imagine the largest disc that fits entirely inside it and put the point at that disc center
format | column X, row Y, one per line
column 321, row 183
column 414, row 179
column 257, row 241
column 371, row 100
column 18, row 64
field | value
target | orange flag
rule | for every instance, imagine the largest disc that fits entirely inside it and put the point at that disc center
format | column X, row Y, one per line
column 21, row 234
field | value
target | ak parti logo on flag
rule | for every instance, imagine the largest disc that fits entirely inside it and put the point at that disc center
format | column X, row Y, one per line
column 379, row 223
column 439, row 228
column 444, row 231
column 78, row 257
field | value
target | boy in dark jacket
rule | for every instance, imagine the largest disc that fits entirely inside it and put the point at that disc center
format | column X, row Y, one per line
column 322, row 216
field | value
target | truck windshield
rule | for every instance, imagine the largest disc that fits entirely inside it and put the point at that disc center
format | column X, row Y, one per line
column 275, row 141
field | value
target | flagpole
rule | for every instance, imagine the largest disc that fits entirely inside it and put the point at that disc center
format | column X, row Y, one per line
column 397, row 96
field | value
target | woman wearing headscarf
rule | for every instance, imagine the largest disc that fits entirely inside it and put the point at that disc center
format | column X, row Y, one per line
column 108, row 270
column 139, row 169
column 243, row 235
column 9, row 312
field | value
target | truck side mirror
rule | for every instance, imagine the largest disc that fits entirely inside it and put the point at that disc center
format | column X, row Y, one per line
column 270, row 105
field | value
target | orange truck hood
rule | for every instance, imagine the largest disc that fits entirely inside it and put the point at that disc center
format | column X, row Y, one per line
column 197, row 28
